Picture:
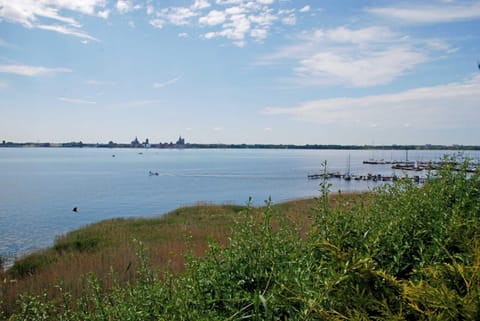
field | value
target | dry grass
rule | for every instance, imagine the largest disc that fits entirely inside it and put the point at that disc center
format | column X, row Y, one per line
column 108, row 248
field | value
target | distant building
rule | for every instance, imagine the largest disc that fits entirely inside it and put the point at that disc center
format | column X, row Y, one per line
column 180, row 141
column 146, row 143
column 135, row 142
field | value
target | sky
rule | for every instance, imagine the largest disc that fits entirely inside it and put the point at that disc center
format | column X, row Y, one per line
column 240, row 71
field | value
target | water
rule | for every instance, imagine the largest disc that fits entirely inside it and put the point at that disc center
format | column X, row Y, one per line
column 40, row 186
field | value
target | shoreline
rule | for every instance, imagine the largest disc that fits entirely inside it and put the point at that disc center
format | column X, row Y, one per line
column 452, row 147
column 10, row 259
column 200, row 204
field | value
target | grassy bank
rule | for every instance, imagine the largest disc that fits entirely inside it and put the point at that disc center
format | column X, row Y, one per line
column 112, row 245
column 402, row 253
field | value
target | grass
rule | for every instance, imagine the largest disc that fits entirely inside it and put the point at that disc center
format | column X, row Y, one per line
column 109, row 245
column 403, row 252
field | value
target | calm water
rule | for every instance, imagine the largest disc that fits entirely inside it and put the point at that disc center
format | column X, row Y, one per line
column 39, row 187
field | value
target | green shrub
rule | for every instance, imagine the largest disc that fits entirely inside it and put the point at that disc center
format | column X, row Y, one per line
column 29, row 264
column 77, row 245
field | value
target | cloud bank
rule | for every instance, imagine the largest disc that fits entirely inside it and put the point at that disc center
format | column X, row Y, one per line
column 440, row 12
column 354, row 57
column 454, row 105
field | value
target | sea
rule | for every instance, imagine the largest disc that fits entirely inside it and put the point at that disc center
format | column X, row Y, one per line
column 40, row 187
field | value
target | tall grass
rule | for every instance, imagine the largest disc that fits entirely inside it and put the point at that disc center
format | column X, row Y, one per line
column 403, row 252
column 108, row 246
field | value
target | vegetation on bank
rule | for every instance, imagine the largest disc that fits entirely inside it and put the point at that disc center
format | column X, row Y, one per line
column 403, row 252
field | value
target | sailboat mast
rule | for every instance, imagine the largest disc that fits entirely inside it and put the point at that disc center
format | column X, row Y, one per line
column 348, row 167
column 347, row 175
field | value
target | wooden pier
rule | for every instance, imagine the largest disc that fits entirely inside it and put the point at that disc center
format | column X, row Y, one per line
column 369, row 177
column 423, row 165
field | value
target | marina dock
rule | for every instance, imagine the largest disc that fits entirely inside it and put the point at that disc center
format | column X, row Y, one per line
column 424, row 165
column 370, row 177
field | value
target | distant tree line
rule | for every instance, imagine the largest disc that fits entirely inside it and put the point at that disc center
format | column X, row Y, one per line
column 112, row 144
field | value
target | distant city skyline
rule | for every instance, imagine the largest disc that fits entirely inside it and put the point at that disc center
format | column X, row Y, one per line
column 241, row 71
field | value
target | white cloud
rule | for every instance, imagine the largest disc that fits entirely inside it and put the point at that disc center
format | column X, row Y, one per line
column 453, row 105
column 104, row 14
column 236, row 29
column 157, row 23
column 200, row 4
column 353, row 57
column 290, row 20
column 166, row 83
column 305, row 9
column 32, row 71
column 150, row 10
column 235, row 10
column 67, row 31
column 226, row 2
column 259, row 34
column 265, row 1
column 239, row 25
column 213, row 18
column 440, row 12
column 240, row 43
column 183, row 35
column 264, row 18
column 178, row 16
column 76, row 101
column 366, row 35
column 181, row 16
column 440, row 45
column 36, row 14
column 210, row 35
column 82, row 6
column 362, row 70
column 124, row 6
column 236, row 20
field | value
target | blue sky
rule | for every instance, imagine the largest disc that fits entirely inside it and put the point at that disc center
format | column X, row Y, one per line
column 240, row 71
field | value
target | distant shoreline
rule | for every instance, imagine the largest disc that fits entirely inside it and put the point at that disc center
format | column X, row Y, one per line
column 240, row 146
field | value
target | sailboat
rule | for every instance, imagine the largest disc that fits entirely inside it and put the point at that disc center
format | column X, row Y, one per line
column 347, row 175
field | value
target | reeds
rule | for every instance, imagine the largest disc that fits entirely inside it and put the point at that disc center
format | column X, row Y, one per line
column 109, row 246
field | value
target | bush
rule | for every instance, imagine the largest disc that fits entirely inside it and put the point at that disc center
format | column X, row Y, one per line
column 29, row 264
column 76, row 245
